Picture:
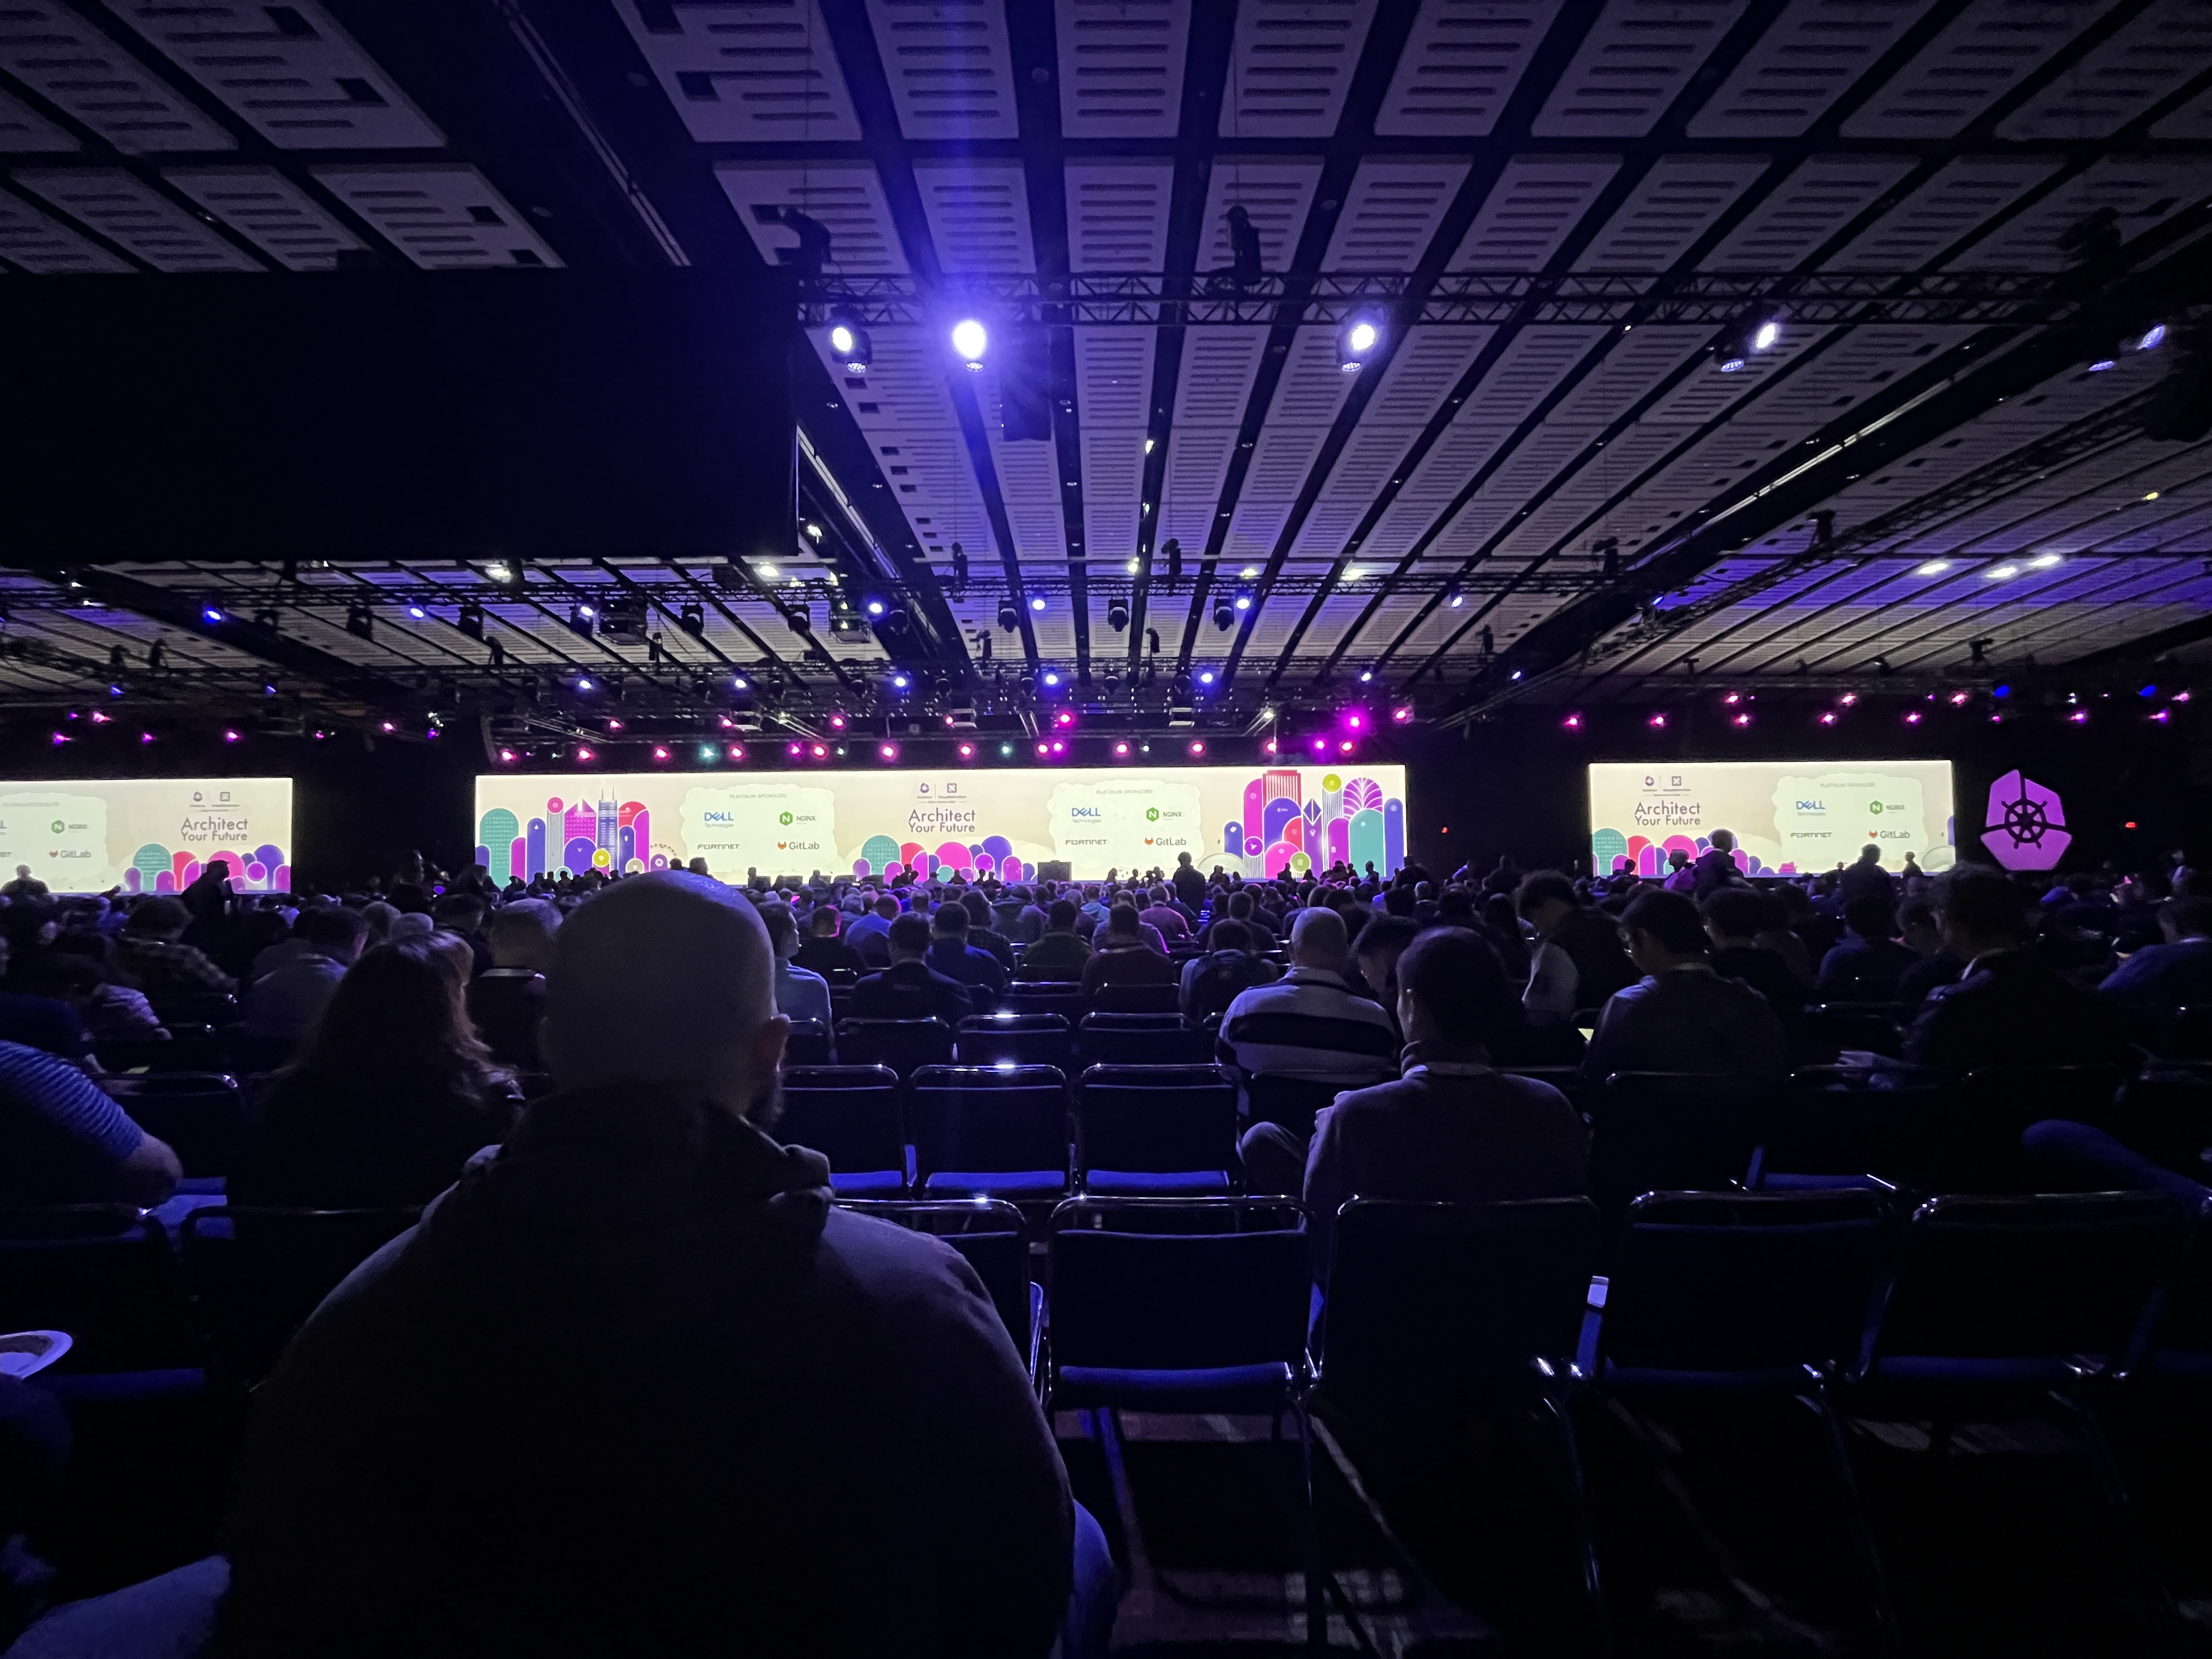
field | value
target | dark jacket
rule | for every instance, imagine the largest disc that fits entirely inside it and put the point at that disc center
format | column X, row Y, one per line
column 911, row 990
column 1689, row 1019
column 1591, row 940
column 1914, row 984
column 1450, row 1129
column 1056, row 955
column 389, row 1142
column 2160, row 978
column 979, row 970
column 2012, row 1010
column 1863, row 971
column 634, row 1387
column 823, row 955
column 1211, row 981
column 1134, row 964
column 1765, row 972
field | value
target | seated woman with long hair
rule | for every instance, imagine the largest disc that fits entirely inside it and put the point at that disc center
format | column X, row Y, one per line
column 391, row 1096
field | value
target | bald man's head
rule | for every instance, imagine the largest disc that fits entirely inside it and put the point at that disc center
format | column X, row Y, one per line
column 665, row 979
column 1318, row 940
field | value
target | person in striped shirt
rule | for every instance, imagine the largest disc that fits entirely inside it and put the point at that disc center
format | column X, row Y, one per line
column 1310, row 1024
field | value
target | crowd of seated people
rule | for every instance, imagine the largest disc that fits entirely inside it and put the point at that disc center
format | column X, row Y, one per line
column 643, row 1198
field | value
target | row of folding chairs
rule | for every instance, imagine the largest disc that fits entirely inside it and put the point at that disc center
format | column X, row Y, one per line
column 1004, row 1038
column 1016, row 1132
column 222, row 1296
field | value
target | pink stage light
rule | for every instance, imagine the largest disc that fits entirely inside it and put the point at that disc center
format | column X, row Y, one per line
column 737, row 751
column 659, row 753
column 1573, row 722
column 1198, row 747
column 1658, row 722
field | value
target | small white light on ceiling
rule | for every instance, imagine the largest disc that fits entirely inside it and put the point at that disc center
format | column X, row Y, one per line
column 2001, row 573
column 1933, row 568
column 2044, row 561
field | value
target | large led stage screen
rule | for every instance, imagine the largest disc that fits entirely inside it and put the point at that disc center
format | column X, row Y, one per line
column 1788, row 817
column 148, row 834
column 1254, row 820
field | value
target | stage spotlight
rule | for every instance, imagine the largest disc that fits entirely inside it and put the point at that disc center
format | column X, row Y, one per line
column 1051, row 678
column 414, row 611
column 970, row 340
column 1206, row 676
column 1355, row 719
column 1403, row 714
column 614, row 725
column 1321, row 745
column 507, row 756
column 1122, row 749
column 1197, row 747
column 888, row 752
column 584, row 682
column 2078, row 717
column 1037, row 601
column 692, row 619
column 1827, row 717
column 1657, row 722
column 1044, row 749
column 874, row 607
column 1009, row 619
column 1065, row 718
column 1244, row 601
column 1740, row 719
column 1848, row 698
column 1057, row 747
column 900, row 682
column 1345, row 747
column 737, row 751
column 836, row 722
column 1356, row 341
column 1737, row 350
column 660, row 753
column 1912, row 717
column 582, row 618
column 849, row 343
column 584, row 753
column 967, row 752
column 1225, row 614
column 1117, row 615
column 1573, row 722
column 820, row 752
column 709, row 753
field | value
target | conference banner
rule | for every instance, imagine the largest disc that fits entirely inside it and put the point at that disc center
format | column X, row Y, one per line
column 148, row 834
column 1254, row 821
column 1788, row 817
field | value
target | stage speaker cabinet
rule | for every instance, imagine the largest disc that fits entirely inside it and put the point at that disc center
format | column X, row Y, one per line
column 1055, row 870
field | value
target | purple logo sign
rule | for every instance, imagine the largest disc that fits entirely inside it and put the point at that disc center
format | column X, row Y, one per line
column 2026, row 825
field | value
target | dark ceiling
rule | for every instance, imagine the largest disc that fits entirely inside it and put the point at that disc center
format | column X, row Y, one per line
column 1565, row 218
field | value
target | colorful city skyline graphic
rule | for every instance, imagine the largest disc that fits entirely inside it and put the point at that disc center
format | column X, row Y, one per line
column 1283, row 829
column 579, row 836
column 993, row 855
column 154, row 869
column 1613, row 852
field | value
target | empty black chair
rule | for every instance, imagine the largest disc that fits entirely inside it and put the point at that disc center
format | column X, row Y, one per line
column 1832, row 1127
column 2022, row 1293
column 201, row 1114
column 1986, row 1111
column 1110, row 1039
column 1060, row 997
column 1438, row 1307
column 246, row 1053
column 999, row 1131
column 1821, row 1032
column 904, row 1045
column 1744, row 1294
column 853, row 1115
column 1156, row 1130
column 1187, row 1307
column 1008, row 1038
column 1742, row 1289
column 1137, row 999
column 991, row 1236
column 106, row 1275
column 808, row 1043
column 256, row 1274
column 1663, row 1131
column 1292, row 1101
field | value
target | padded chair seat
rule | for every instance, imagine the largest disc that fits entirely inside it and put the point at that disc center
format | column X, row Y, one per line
column 171, row 1617
column 868, row 1183
column 1263, row 1388
column 1654, row 1379
column 997, row 1183
column 1158, row 1183
column 2026, row 1371
column 1776, row 1180
column 121, row 1388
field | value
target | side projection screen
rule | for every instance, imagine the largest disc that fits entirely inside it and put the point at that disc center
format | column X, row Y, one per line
column 1788, row 817
column 1252, row 820
column 148, row 835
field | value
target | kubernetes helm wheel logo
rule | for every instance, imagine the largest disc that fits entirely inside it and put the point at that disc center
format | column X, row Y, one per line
column 2025, row 823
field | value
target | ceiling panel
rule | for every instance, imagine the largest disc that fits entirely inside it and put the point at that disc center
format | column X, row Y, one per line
column 1290, row 66
column 1461, row 62
column 979, row 215
column 1965, row 194
column 1117, row 215
column 1113, row 476
column 2138, row 192
column 91, row 78
column 1979, row 56
column 1113, row 376
column 135, row 217
column 1636, row 59
column 289, row 72
column 1121, row 67
column 745, row 73
column 1537, row 202
column 441, row 215
column 24, row 131
column 1808, row 208
column 2154, row 54
column 847, row 198
column 271, row 211
column 34, row 242
column 1672, row 206
column 950, row 73
column 1391, row 213
column 1807, row 59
